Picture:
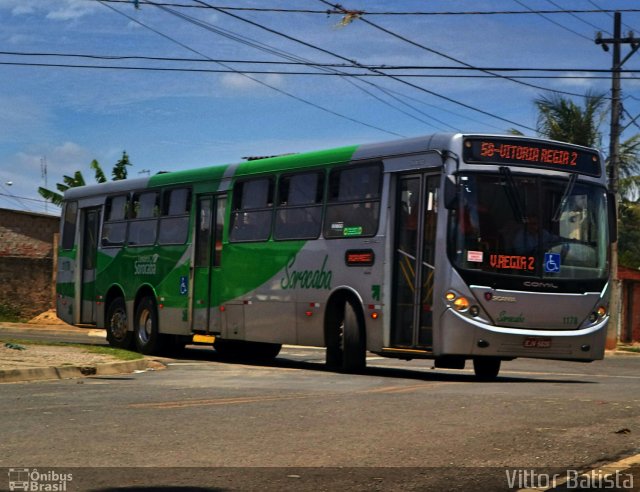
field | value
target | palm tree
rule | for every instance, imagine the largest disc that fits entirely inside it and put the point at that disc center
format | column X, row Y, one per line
column 119, row 172
column 561, row 119
column 629, row 168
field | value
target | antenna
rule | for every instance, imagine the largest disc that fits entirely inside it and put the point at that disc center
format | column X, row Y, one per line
column 43, row 175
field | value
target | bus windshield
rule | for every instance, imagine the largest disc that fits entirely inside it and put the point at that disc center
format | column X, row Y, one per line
column 525, row 225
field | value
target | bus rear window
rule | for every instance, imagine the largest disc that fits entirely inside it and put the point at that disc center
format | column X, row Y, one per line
column 353, row 201
column 69, row 225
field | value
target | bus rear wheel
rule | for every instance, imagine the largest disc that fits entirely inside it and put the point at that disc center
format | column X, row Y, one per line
column 486, row 368
column 147, row 336
column 346, row 348
column 118, row 334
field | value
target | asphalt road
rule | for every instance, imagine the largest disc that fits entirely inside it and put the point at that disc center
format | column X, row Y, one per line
column 292, row 425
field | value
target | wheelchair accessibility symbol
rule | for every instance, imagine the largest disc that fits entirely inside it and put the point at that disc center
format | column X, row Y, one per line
column 552, row 262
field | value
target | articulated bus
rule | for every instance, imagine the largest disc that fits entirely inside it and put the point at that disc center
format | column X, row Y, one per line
column 450, row 247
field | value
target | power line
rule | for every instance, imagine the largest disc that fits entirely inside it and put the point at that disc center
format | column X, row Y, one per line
column 561, row 26
column 597, row 10
column 576, row 16
column 258, row 81
column 306, row 63
column 311, row 74
column 451, row 58
column 294, row 58
column 304, row 43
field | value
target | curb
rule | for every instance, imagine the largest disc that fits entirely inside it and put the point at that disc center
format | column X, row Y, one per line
column 76, row 371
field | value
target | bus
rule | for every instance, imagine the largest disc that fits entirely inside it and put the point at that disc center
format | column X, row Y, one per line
column 451, row 247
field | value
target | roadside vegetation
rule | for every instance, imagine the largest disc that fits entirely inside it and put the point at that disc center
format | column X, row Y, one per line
column 9, row 314
column 120, row 354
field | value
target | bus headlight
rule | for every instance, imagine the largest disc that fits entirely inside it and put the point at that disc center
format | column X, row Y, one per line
column 461, row 304
column 599, row 313
column 458, row 302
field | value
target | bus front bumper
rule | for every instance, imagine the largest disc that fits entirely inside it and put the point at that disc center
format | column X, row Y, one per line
column 460, row 335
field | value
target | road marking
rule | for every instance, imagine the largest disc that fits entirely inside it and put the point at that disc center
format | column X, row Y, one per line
column 261, row 399
column 405, row 389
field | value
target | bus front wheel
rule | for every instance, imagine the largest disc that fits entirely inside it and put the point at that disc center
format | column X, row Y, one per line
column 486, row 368
column 117, row 332
column 147, row 336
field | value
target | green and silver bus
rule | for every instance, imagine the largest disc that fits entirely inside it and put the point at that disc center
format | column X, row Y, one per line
column 451, row 247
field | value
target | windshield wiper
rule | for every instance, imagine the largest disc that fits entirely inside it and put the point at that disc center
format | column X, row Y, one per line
column 513, row 196
column 565, row 196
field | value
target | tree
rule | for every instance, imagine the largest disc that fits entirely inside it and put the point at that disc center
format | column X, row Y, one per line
column 629, row 235
column 119, row 172
column 629, row 168
column 561, row 119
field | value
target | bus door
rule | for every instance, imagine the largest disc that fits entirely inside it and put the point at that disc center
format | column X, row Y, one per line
column 414, row 254
column 91, row 224
column 208, row 248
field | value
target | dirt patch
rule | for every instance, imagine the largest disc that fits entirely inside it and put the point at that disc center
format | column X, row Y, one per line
column 47, row 318
column 47, row 356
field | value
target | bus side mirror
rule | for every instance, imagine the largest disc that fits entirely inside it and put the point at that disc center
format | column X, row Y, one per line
column 612, row 217
column 450, row 192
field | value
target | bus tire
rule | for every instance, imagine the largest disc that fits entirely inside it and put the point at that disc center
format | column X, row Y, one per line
column 346, row 350
column 354, row 356
column 118, row 334
column 146, row 333
column 486, row 368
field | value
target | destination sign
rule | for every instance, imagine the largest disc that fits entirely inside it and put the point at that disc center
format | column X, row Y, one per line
column 490, row 150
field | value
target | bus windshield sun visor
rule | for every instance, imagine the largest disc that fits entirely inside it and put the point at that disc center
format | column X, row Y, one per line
column 513, row 196
column 565, row 197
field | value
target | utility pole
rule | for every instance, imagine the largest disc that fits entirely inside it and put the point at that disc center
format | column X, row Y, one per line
column 613, row 333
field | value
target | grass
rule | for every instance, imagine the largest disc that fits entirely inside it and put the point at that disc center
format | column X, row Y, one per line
column 10, row 315
column 630, row 348
column 120, row 354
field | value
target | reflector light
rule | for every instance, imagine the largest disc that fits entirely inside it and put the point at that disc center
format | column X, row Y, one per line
column 602, row 311
column 374, row 315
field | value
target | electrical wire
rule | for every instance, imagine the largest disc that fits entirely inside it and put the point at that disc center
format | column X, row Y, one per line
column 288, row 56
column 561, row 26
column 423, row 89
column 254, row 79
column 598, row 10
column 306, row 63
column 312, row 74
column 451, row 58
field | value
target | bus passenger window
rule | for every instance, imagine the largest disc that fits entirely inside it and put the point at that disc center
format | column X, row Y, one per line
column 299, row 208
column 114, row 228
column 353, row 201
column 252, row 210
column 174, row 221
column 144, row 223
column 69, row 225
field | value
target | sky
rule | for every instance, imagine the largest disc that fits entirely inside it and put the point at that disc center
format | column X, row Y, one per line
column 177, row 84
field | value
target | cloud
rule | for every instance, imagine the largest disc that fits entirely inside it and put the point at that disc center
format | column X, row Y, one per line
column 238, row 82
column 52, row 9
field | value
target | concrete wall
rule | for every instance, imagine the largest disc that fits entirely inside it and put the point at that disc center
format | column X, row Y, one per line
column 27, row 260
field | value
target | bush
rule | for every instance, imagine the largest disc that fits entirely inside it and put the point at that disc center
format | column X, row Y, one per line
column 10, row 314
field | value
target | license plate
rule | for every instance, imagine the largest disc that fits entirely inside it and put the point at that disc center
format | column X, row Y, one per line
column 537, row 342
